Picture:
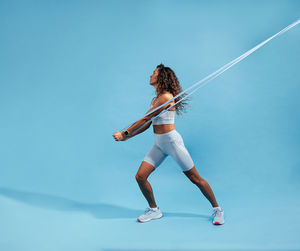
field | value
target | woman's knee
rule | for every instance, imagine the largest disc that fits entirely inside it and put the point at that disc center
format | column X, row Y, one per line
column 140, row 178
column 195, row 179
column 144, row 171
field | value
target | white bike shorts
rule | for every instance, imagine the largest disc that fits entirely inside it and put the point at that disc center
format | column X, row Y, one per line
column 170, row 143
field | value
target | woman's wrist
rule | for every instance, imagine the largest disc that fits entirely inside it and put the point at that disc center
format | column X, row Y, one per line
column 124, row 133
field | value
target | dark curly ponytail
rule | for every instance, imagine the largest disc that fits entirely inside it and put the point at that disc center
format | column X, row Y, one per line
column 167, row 81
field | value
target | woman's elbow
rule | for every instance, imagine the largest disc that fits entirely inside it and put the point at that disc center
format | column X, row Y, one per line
column 147, row 122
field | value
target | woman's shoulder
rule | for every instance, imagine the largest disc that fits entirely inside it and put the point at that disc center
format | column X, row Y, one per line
column 163, row 97
column 166, row 95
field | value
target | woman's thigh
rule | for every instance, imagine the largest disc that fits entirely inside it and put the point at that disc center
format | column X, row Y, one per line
column 155, row 156
column 180, row 154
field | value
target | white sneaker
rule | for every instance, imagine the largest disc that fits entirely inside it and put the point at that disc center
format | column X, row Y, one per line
column 150, row 214
column 218, row 216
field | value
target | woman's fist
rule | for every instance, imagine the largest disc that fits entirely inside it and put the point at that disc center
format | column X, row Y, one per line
column 119, row 136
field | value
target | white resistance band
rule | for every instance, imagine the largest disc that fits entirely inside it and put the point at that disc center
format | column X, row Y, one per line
column 210, row 77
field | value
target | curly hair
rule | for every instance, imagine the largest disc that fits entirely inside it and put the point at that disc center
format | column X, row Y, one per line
column 167, row 81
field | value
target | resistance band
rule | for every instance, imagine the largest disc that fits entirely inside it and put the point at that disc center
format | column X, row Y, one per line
column 210, row 77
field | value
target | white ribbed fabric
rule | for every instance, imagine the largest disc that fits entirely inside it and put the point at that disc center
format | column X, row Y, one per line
column 164, row 118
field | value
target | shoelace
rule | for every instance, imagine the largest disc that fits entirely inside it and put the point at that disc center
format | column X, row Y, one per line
column 216, row 212
column 148, row 210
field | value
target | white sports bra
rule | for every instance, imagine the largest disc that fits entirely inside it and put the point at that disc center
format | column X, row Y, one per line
column 167, row 117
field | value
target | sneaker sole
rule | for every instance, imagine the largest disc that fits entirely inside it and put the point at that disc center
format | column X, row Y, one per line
column 217, row 223
column 148, row 220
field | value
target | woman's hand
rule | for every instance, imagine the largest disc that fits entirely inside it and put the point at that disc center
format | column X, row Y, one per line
column 119, row 136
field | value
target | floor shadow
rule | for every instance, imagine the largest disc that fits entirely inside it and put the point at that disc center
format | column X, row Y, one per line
column 99, row 210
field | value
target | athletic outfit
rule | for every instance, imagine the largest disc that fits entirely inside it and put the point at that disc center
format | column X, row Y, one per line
column 170, row 143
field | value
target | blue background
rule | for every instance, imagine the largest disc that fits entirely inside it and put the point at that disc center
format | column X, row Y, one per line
column 74, row 72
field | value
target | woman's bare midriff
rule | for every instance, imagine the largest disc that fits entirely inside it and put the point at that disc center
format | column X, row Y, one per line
column 160, row 129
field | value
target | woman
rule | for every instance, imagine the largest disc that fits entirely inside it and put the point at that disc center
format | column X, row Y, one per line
column 167, row 142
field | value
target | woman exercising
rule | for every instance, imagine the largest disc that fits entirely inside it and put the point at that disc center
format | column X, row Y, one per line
column 167, row 142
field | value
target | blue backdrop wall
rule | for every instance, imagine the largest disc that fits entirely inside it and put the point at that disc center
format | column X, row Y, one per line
column 74, row 72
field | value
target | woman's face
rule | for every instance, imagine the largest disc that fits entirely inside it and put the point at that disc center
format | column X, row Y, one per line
column 153, row 77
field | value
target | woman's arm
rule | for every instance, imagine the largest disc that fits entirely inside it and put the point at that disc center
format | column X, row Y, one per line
column 138, row 127
column 138, row 131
